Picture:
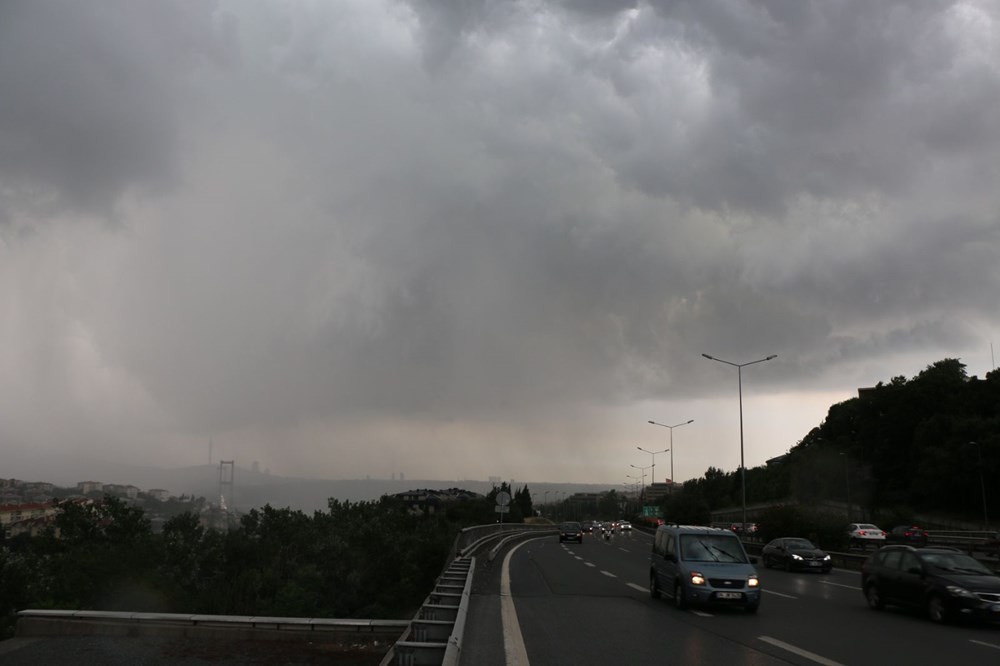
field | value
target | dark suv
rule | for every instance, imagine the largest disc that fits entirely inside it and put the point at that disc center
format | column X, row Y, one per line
column 946, row 582
column 570, row 531
column 910, row 535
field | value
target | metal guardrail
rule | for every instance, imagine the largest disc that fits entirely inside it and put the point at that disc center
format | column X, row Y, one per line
column 434, row 636
column 47, row 622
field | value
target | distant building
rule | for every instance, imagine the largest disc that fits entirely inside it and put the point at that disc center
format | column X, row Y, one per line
column 431, row 501
column 15, row 513
column 86, row 487
column 121, row 490
column 158, row 493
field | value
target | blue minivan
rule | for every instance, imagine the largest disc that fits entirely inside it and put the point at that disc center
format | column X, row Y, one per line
column 702, row 566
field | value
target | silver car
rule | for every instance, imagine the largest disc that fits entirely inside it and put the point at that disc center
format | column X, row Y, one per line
column 863, row 534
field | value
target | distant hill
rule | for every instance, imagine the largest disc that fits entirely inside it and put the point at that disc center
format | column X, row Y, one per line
column 255, row 489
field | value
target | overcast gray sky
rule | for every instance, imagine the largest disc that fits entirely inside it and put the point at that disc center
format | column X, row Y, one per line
column 467, row 239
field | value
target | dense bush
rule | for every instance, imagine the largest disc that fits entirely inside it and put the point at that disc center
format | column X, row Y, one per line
column 365, row 559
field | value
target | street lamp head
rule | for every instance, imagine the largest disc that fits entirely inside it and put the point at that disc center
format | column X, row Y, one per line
column 653, row 422
column 712, row 358
column 771, row 356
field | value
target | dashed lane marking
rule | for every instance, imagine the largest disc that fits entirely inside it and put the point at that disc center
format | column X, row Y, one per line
column 608, row 574
column 779, row 594
column 806, row 654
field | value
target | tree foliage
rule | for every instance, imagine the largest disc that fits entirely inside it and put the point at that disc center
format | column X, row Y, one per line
column 356, row 559
column 926, row 444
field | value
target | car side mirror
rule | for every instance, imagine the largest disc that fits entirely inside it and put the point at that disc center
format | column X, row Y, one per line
column 753, row 560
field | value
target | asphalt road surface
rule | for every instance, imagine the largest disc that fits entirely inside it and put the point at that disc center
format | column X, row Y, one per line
column 589, row 604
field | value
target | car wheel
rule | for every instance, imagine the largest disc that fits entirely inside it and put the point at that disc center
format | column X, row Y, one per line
column 936, row 609
column 654, row 589
column 679, row 601
column 873, row 597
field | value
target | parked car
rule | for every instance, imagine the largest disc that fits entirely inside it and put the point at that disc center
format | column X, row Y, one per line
column 570, row 531
column 945, row 582
column 910, row 535
column 863, row 534
column 702, row 565
column 794, row 553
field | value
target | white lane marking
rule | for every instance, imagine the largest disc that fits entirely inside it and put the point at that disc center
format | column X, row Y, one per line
column 590, row 564
column 984, row 644
column 702, row 613
column 811, row 656
column 849, row 587
column 608, row 574
column 624, row 550
column 640, row 588
column 513, row 642
column 578, row 557
column 779, row 594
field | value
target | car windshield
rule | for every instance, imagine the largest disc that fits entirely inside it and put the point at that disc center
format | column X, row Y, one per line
column 570, row 527
column 711, row 548
column 955, row 563
column 799, row 544
column 867, row 527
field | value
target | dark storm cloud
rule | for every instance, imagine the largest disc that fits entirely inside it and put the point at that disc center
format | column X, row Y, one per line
column 349, row 217
column 89, row 98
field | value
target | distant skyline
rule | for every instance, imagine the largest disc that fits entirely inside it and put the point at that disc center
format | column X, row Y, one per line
column 463, row 240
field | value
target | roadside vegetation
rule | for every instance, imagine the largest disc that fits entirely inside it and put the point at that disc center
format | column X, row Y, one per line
column 924, row 447
column 373, row 559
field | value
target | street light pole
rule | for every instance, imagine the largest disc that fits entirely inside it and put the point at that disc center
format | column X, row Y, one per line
column 652, row 474
column 847, row 477
column 982, row 486
column 671, row 449
column 643, row 471
column 739, row 378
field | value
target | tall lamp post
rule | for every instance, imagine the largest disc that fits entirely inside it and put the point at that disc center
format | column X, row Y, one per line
column 643, row 471
column 671, row 449
column 847, row 477
column 652, row 474
column 982, row 486
column 739, row 378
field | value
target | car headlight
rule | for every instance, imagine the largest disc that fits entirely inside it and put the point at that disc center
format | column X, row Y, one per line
column 752, row 581
column 956, row 591
column 796, row 556
column 826, row 559
column 697, row 578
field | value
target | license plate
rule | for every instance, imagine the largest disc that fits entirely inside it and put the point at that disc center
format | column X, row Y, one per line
column 729, row 595
column 814, row 564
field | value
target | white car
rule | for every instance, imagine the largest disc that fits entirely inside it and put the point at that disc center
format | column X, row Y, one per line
column 625, row 526
column 863, row 534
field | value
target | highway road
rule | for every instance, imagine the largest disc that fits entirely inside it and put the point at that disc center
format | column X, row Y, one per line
column 589, row 604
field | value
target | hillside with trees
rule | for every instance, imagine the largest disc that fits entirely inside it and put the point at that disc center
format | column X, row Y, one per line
column 929, row 445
